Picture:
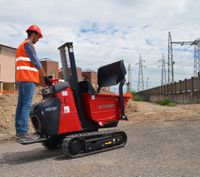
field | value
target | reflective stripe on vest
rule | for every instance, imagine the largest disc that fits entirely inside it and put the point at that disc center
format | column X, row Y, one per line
column 25, row 69
column 23, row 59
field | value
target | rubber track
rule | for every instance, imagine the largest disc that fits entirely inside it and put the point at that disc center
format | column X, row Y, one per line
column 107, row 132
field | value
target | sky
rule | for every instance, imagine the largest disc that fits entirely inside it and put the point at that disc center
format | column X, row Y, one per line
column 105, row 31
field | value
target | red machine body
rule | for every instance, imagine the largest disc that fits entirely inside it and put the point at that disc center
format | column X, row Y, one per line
column 69, row 118
column 103, row 108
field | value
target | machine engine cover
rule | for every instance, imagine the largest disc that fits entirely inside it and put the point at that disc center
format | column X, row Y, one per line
column 45, row 116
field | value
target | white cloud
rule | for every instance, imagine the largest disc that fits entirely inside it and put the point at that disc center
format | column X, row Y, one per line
column 107, row 30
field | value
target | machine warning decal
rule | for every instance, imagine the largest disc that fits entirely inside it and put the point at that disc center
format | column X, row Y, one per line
column 106, row 106
column 64, row 93
column 66, row 109
column 108, row 143
column 51, row 109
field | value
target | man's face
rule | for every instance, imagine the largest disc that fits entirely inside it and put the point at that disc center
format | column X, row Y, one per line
column 35, row 38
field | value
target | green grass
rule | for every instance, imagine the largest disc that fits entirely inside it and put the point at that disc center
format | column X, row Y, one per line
column 166, row 102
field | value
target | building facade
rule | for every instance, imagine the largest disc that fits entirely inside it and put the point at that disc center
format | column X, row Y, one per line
column 90, row 76
column 78, row 70
column 7, row 68
column 50, row 67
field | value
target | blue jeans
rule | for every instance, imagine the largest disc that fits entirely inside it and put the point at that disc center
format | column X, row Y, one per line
column 25, row 95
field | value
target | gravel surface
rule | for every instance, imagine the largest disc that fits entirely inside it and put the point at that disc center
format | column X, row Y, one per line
column 159, row 149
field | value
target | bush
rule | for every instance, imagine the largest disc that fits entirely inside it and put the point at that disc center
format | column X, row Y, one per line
column 137, row 97
column 166, row 102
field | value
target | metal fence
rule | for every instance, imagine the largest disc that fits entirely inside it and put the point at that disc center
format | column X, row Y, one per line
column 186, row 91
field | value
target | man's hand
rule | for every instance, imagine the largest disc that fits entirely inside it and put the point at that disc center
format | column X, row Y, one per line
column 47, row 80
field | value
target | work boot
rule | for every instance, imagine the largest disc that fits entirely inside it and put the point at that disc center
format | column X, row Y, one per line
column 17, row 136
column 28, row 136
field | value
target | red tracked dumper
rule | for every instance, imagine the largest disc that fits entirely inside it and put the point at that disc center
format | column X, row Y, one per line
column 71, row 112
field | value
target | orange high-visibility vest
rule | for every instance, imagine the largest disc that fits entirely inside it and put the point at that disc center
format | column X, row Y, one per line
column 25, row 69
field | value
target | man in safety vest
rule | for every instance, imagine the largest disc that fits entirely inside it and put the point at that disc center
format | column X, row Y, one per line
column 28, row 71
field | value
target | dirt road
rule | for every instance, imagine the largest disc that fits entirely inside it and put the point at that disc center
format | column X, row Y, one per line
column 154, row 149
column 162, row 141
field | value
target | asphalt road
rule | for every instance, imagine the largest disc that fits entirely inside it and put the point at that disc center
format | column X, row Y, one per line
column 165, row 149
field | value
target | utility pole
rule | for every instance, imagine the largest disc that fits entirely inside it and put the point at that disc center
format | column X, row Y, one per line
column 129, row 83
column 140, row 75
column 196, row 57
column 163, row 70
column 170, row 60
column 196, row 54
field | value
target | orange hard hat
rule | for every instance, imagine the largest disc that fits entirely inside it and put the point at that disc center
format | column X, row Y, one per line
column 36, row 29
